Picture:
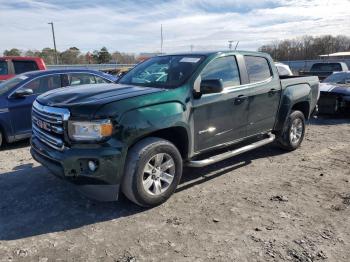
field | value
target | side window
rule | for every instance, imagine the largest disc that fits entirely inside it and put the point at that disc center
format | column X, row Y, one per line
column 3, row 68
column 24, row 66
column 81, row 79
column 258, row 68
column 224, row 68
column 44, row 84
column 100, row 80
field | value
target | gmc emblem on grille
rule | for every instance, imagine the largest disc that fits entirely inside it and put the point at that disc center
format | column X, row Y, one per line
column 43, row 125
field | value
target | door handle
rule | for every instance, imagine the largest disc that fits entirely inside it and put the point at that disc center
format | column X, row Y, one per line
column 272, row 91
column 240, row 99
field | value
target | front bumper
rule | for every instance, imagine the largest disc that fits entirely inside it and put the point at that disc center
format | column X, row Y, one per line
column 72, row 164
column 333, row 103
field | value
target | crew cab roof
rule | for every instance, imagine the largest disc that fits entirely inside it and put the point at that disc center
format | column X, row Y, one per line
column 209, row 53
column 20, row 58
column 63, row 71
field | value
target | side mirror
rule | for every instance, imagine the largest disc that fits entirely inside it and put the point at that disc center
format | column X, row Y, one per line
column 211, row 86
column 22, row 93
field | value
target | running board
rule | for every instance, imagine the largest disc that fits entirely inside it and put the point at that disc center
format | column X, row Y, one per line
column 223, row 156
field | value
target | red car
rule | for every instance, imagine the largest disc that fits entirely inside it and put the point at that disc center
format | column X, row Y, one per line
column 14, row 65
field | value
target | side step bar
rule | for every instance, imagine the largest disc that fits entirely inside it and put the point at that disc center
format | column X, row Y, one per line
column 223, row 156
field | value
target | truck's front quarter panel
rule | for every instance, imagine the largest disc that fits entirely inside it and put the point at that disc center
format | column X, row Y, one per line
column 132, row 118
column 95, row 167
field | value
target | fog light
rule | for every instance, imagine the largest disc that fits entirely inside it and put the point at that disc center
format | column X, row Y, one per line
column 92, row 166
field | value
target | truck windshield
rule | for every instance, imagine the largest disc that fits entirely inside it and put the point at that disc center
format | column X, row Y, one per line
column 339, row 78
column 169, row 71
column 9, row 84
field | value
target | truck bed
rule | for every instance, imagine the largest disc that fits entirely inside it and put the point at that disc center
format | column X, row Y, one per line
column 296, row 81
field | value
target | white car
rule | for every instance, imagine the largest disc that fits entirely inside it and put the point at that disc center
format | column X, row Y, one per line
column 283, row 69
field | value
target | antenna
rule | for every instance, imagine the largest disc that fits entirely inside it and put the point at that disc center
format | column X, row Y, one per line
column 236, row 45
column 161, row 38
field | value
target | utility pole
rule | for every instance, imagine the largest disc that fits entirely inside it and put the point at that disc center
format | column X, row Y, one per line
column 230, row 44
column 161, row 39
column 191, row 47
column 54, row 41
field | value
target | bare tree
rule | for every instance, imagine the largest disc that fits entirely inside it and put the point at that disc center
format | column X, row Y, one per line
column 306, row 47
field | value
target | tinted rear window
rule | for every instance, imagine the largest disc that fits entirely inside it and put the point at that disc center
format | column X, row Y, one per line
column 3, row 68
column 24, row 66
column 258, row 68
column 329, row 67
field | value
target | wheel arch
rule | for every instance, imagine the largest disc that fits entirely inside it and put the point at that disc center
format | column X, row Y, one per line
column 304, row 107
column 178, row 135
column 294, row 97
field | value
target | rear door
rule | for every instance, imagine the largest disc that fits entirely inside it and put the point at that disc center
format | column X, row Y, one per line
column 20, row 108
column 264, row 97
column 220, row 118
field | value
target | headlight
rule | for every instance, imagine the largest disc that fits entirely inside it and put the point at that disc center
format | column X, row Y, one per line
column 89, row 131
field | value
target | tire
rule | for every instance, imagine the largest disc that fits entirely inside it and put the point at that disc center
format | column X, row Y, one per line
column 152, row 172
column 293, row 131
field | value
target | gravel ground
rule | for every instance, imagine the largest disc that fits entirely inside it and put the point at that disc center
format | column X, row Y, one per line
column 265, row 205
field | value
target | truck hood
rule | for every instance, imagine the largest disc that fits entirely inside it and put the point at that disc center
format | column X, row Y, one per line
column 97, row 94
column 83, row 101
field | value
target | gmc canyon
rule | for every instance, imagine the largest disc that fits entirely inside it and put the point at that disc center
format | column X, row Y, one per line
column 172, row 110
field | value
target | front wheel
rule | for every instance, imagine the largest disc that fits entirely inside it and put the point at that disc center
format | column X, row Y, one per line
column 152, row 172
column 293, row 131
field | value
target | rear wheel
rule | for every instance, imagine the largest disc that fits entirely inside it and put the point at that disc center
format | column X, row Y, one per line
column 152, row 173
column 293, row 131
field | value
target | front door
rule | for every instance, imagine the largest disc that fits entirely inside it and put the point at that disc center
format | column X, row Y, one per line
column 220, row 118
column 21, row 108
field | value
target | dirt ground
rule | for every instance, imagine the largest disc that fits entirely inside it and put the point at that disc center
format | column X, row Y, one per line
column 265, row 205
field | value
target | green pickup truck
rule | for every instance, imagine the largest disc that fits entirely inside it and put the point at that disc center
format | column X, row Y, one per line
column 190, row 109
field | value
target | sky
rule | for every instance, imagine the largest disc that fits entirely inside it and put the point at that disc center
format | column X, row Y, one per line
column 134, row 26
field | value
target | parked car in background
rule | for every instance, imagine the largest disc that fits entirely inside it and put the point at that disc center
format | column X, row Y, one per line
column 283, row 69
column 166, row 112
column 15, row 65
column 335, row 94
column 325, row 69
column 18, row 94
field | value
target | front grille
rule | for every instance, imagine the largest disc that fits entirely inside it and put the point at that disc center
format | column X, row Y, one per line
column 48, row 124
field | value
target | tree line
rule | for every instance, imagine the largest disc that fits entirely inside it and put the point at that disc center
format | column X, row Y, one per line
column 306, row 47
column 74, row 56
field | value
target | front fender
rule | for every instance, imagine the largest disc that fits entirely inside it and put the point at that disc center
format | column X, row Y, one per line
column 291, row 95
column 140, row 122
